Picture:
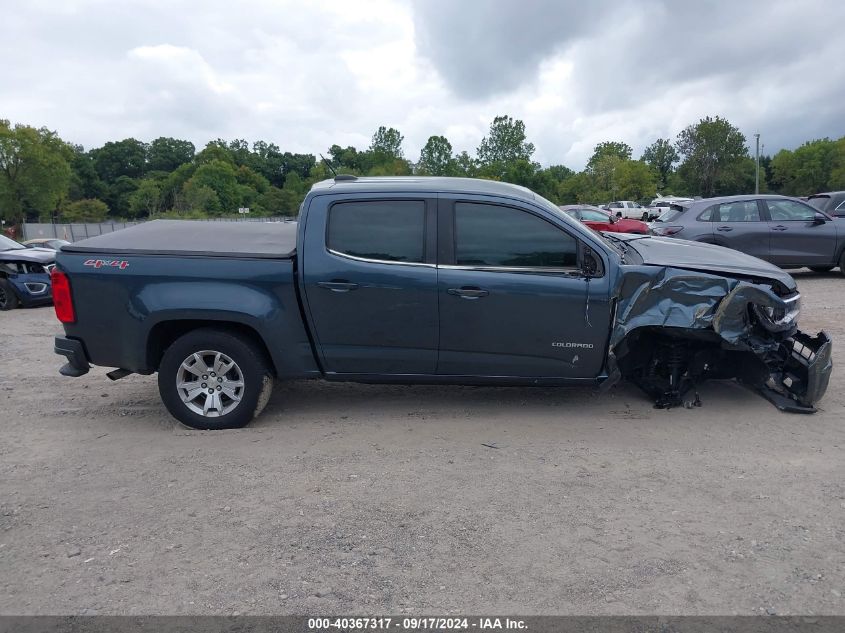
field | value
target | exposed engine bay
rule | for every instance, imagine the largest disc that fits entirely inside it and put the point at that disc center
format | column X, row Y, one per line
column 676, row 328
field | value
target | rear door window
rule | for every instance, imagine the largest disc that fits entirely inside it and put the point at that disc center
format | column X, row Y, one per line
column 740, row 211
column 489, row 235
column 383, row 230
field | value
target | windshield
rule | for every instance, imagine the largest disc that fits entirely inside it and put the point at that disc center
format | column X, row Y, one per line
column 7, row 244
column 819, row 201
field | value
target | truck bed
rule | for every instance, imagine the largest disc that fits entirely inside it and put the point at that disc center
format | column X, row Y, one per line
column 266, row 240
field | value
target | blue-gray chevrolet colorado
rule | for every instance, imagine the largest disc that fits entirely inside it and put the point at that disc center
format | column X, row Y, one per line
column 425, row 280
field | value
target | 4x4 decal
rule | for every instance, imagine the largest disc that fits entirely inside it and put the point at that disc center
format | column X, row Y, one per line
column 107, row 263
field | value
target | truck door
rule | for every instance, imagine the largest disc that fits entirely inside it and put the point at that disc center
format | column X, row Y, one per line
column 371, row 284
column 513, row 299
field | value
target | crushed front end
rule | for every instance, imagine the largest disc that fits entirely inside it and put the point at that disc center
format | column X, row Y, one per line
column 676, row 328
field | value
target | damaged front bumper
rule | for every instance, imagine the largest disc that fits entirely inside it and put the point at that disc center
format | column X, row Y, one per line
column 677, row 328
column 801, row 375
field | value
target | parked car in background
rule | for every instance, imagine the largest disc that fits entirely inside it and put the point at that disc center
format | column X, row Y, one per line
column 601, row 220
column 628, row 209
column 46, row 242
column 24, row 274
column 784, row 231
column 832, row 203
column 660, row 205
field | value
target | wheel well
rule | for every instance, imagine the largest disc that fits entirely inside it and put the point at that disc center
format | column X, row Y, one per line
column 165, row 333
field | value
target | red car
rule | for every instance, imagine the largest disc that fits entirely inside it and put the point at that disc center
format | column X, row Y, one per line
column 601, row 220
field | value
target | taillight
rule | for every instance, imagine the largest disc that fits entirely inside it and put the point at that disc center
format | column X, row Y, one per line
column 62, row 299
column 666, row 230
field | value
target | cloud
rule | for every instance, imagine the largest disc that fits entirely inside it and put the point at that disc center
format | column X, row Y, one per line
column 307, row 75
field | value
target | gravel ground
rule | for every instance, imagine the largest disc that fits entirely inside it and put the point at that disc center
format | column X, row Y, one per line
column 384, row 499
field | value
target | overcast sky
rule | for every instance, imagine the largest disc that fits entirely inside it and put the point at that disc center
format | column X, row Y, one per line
column 305, row 74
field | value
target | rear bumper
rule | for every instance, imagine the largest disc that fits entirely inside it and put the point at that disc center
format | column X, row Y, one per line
column 74, row 351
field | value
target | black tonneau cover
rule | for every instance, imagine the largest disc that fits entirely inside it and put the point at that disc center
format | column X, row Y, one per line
column 269, row 240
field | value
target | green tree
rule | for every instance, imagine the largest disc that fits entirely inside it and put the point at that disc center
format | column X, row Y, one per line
column 466, row 165
column 808, row 168
column 836, row 181
column 221, row 177
column 215, row 150
column 145, row 201
column 197, row 200
column 301, row 164
column 386, row 144
column 120, row 158
column 34, row 171
column 84, row 180
column 118, row 196
column 634, row 180
column 166, row 154
column 436, row 158
column 347, row 159
column 711, row 149
column 622, row 151
column 275, row 201
column 87, row 210
column 661, row 156
column 505, row 143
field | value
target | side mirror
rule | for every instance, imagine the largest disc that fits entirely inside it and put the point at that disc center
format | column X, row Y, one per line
column 613, row 219
column 589, row 265
column 819, row 218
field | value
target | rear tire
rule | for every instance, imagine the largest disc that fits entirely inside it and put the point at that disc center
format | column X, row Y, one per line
column 214, row 379
column 820, row 269
column 8, row 299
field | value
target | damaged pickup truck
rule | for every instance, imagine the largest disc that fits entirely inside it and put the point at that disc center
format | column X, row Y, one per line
column 426, row 280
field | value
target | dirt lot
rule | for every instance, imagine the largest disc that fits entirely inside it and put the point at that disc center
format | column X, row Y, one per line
column 377, row 499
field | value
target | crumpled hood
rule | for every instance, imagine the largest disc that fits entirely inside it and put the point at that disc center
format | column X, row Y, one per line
column 667, row 251
column 38, row 255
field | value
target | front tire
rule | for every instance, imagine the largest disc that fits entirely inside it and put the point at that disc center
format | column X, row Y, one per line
column 214, row 379
column 8, row 299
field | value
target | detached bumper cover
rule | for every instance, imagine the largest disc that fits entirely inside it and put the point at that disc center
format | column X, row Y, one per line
column 74, row 351
column 804, row 373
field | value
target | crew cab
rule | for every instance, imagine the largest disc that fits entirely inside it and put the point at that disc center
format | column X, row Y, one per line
column 425, row 280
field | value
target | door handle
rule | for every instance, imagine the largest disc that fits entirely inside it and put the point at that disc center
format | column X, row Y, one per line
column 338, row 286
column 779, row 227
column 468, row 293
column 725, row 228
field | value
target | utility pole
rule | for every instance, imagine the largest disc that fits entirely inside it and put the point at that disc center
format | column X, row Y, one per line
column 757, row 163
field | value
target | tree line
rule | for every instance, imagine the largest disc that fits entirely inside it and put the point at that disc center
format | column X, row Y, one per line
column 43, row 177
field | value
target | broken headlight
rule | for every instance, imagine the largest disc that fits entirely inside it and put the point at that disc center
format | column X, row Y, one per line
column 780, row 318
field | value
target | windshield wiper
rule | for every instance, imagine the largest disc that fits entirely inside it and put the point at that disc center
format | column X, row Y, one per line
column 620, row 244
